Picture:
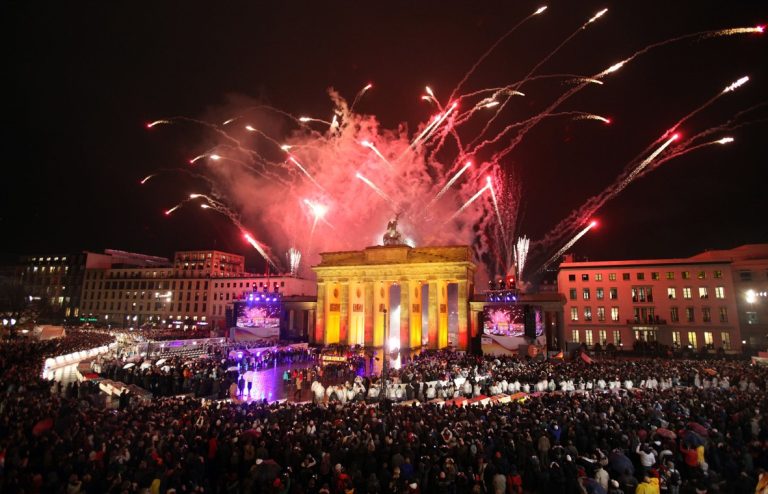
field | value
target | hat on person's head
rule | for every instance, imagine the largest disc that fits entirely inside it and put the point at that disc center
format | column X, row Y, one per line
column 614, row 483
column 259, row 461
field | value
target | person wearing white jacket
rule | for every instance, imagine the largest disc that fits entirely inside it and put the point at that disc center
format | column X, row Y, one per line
column 602, row 477
column 318, row 392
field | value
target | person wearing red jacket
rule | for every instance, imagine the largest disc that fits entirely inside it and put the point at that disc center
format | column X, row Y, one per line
column 690, row 457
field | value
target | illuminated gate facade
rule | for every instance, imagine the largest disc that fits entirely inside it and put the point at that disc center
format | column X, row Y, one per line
column 408, row 297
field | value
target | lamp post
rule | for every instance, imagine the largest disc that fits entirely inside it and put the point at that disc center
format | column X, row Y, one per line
column 384, row 374
column 385, row 361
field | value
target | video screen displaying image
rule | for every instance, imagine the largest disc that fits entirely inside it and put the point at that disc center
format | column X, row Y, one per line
column 258, row 316
column 509, row 320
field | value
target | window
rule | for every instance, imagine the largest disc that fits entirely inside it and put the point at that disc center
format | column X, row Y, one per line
column 599, row 293
column 717, row 274
column 644, row 314
column 689, row 314
column 588, row 334
column 598, row 276
column 725, row 338
column 670, row 275
column 640, row 276
column 611, row 276
column 706, row 314
column 625, row 276
column 708, row 340
column 603, row 337
column 723, row 314
column 642, row 294
column 692, row 339
column 745, row 275
column 751, row 317
column 574, row 313
column 687, row 293
column 674, row 315
column 575, row 335
column 613, row 293
column 676, row 338
column 671, row 293
column 703, row 292
column 585, row 293
column 601, row 313
column 617, row 337
column 719, row 292
column 584, row 277
column 614, row 314
column 571, row 277
column 587, row 313
column 686, row 275
column 655, row 276
column 572, row 293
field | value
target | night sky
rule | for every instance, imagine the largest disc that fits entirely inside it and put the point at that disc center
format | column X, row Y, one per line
column 82, row 80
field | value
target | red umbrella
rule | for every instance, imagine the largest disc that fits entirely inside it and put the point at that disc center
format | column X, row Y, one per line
column 665, row 433
column 42, row 426
column 252, row 433
column 698, row 428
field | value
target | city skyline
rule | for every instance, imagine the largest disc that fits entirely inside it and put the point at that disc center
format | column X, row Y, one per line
column 88, row 81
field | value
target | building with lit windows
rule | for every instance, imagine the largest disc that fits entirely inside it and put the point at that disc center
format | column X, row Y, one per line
column 196, row 291
column 58, row 280
column 710, row 299
column 749, row 266
column 207, row 264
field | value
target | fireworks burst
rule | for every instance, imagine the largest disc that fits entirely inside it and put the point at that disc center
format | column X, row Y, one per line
column 521, row 255
column 568, row 245
column 294, row 260
column 311, row 187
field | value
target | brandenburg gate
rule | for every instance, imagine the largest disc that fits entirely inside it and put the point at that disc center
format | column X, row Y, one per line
column 410, row 297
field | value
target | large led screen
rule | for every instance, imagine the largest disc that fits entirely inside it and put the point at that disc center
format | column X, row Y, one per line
column 509, row 320
column 257, row 315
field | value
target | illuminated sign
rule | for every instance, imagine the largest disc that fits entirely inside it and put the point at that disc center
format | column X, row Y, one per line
column 333, row 359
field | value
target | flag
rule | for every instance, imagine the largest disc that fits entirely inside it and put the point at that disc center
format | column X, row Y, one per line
column 586, row 358
column 559, row 355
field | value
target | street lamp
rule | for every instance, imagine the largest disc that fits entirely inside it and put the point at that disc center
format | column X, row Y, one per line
column 385, row 363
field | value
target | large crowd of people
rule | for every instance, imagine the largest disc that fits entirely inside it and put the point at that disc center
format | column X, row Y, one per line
column 609, row 427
